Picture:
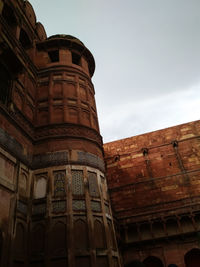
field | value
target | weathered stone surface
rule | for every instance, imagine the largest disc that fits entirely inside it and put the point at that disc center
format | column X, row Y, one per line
column 153, row 181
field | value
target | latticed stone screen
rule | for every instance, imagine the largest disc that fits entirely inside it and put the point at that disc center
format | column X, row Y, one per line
column 93, row 185
column 77, row 182
column 95, row 206
column 59, row 206
column 59, row 183
column 78, row 205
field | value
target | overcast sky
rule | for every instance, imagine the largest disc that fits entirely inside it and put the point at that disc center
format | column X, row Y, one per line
column 147, row 55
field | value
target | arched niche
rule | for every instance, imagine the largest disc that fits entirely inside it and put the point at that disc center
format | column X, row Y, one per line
column 192, row 258
column 37, row 239
column 172, row 227
column 197, row 220
column 145, row 231
column 158, row 229
column 186, row 224
column 58, row 238
column 111, row 235
column 40, row 187
column 153, row 261
column 19, row 240
column 80, row 234
column 133, row 234
column 99, row 235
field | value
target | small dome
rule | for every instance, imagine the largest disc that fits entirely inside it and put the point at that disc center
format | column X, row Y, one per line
column 65, row 36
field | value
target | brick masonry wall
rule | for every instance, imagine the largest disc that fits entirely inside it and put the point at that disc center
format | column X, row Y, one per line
column 154, row 168
column 154, row 186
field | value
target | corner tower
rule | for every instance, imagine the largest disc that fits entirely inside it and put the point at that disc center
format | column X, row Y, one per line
column 70, row 208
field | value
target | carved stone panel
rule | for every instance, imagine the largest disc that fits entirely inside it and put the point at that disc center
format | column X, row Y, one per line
column 80, row 234
column 100, row 240
column 78, row 205
column 95, row 206
column 59, row 184
column 58, row 239
column 58, row 206
column 19, row 241
column 93, row 184
column 37, row 239
column 77, row 182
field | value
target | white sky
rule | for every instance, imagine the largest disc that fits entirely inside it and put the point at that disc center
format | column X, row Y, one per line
column 147, row 55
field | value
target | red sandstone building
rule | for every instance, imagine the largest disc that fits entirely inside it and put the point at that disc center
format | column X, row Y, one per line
column 55, row 206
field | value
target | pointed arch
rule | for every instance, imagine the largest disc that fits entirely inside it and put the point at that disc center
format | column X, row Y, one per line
column 37, row 238
column 111, row 235
column 100, row 241
column 58, row 238
column 19, row 241
column 40, row 187
column 80, row 234
column 192, row 258
column 153, row 261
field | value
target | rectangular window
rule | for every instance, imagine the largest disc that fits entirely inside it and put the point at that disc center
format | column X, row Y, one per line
column 54, row 55
column 76, row 59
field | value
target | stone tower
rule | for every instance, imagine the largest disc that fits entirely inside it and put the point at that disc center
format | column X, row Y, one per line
column 69, row 191
column 55, row 208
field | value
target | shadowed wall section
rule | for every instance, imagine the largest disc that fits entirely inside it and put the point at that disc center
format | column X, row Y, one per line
column 55, row 208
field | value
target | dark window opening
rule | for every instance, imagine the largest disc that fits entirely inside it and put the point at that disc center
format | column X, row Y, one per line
column 76, row 59
column 192, row 258
column 5, row 82
column 54, row 55
column 24, row 39
column 153, row 261
column 9, row 16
